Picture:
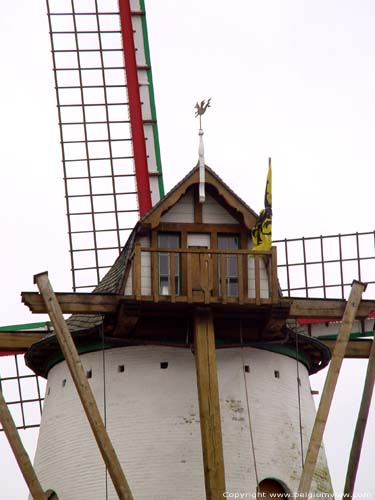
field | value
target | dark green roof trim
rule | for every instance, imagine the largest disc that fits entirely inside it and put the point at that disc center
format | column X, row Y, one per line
column 286, row 351
column 96, row 346
column 25, row 326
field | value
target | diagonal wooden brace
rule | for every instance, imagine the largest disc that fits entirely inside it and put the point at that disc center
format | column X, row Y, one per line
column 83, row 388
column 329, row 387
column 20, row 453
column 359, row 433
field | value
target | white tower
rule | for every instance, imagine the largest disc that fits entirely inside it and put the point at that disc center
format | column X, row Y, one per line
column 183, row 258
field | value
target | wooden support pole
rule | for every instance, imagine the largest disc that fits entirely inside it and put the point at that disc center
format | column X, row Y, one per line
column 19, row 451
column 209, row 405
column 83, row 388
column 329, row 387
column 360, row 427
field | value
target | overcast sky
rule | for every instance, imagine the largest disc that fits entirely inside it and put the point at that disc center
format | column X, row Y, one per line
column 293, row 80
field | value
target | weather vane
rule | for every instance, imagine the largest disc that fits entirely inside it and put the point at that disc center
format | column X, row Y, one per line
column 201, row 109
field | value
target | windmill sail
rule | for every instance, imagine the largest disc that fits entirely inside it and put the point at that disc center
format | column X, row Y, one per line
column 107, row 119
column 110, row 153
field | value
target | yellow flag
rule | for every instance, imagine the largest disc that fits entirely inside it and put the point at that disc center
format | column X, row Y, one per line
column 261, row 233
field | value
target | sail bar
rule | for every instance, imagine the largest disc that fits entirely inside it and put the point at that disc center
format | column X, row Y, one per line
column 139, row 72
column 94, row 115
column 139, row 146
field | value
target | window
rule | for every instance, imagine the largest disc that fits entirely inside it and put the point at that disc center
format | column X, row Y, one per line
column 168, row 240
column 229, row 242
column 272, row 488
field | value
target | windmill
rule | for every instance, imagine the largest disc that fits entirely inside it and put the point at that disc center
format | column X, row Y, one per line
column 354, row 236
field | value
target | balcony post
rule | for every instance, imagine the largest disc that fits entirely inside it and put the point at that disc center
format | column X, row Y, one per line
column 257, row 279
column 273, row 278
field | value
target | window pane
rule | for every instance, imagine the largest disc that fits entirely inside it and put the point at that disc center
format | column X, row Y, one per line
column 227, row 242
column 168, row 240
column 231, row 265
column 164, row 263
column 164, row 285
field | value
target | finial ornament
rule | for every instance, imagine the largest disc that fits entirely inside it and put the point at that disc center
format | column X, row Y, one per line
column 201, row 109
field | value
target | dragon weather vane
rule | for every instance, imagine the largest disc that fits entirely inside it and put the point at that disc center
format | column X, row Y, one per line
column 201, row 109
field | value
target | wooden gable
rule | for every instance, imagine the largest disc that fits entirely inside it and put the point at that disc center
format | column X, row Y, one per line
column 181, row 204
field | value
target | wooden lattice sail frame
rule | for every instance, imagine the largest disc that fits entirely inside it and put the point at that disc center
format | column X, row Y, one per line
column 108, row 129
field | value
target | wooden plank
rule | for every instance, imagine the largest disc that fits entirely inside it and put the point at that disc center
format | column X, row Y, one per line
column 19, row 451
column 189, row 280
column 200, row 250
column 199, row 228
column 83, row 387
column 273, row 278
column 359, row 433
column 257, row 279
column 210, row 276
column 183, row 264
column 19, row 340
column 244, row 244
column 223, row 278
column 209, row 404
column 197, row 207
column 329, row 387
column 325, row 308
column 356, row 348
column 172, row 272
column 240, row 279
column 206, row 276
column 75, row 303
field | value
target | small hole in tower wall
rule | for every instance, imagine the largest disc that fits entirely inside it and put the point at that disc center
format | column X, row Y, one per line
column 164, row 365
column 247, row 368
column 89, row 373
column 277, row 373
column 64, row 382
column 121, row 368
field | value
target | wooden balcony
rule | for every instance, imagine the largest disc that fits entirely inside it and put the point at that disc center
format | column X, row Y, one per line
column 203, row 276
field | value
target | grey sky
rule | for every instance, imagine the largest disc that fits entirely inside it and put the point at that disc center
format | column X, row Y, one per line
column 290, row 79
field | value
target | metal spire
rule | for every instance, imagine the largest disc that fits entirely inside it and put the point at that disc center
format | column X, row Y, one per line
column 201, row 109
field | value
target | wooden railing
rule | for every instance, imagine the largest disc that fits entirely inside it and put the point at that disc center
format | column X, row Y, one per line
column 201, row 275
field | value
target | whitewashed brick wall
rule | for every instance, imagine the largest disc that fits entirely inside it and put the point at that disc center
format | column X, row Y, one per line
column 153, row 420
